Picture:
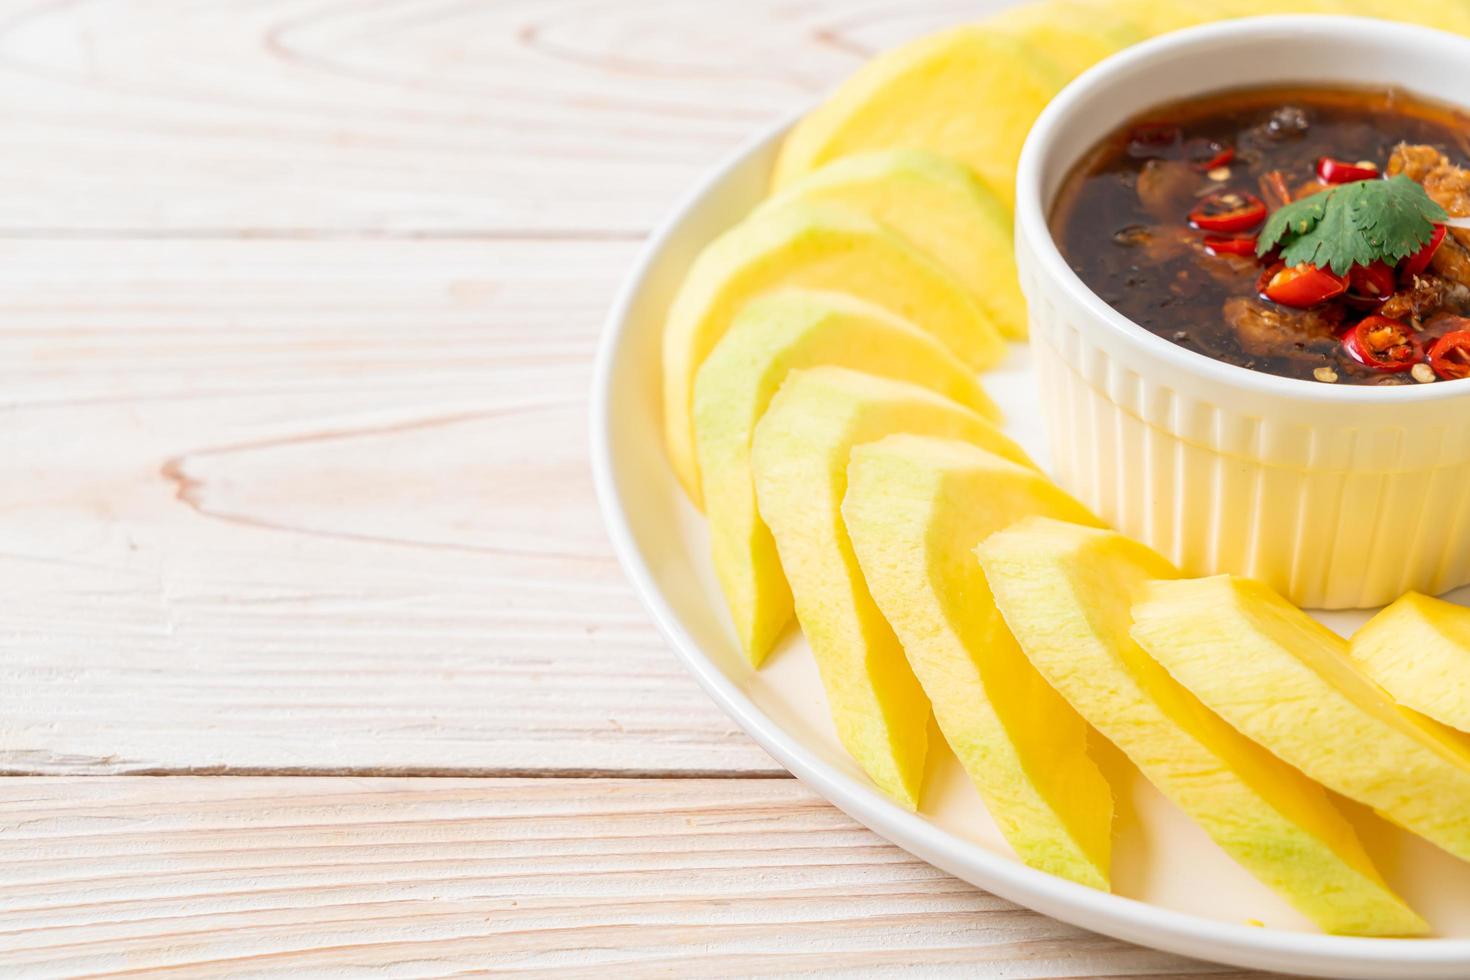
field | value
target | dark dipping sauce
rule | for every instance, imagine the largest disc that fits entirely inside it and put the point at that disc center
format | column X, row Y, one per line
column 1122, row 221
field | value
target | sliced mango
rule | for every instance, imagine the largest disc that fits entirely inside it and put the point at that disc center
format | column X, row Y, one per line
column 1065, row 591
column 970, row 93
column 1418, row 650
column 914, row 509
column 1445, row 15
column 818, row 248
column 1232, row 9
column 1285, row 680
column 938, row 205
column 1160, row 16
column 776, row 333
column 800, row 458
column 1073, row 34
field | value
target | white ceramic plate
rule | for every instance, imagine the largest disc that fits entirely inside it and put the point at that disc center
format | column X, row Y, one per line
column 1174, row 889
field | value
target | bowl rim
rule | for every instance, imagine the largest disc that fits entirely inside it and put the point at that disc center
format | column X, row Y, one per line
column 1031, row 209
column 1118, row 916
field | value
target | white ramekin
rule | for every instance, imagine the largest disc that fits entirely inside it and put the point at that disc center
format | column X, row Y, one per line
column 1339, row 496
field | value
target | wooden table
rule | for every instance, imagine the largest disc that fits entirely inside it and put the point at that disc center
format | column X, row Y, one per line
column 315, row 656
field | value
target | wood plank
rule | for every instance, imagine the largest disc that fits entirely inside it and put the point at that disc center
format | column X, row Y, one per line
column 317, row 506
column 412, row 877
column 402, row 116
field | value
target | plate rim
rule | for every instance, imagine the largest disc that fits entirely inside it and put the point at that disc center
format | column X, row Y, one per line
column 1118, row 916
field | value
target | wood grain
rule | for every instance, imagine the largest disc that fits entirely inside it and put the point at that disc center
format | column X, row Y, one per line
column 298, row 300
column 297, row 305
column 238, row 877
column 391, row 117
column 319, row 506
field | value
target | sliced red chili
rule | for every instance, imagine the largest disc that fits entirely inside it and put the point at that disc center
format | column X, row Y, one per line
column 1228, row 212
column 1416, row 264
column 1206, row 154
column 1153, row 140
column 1384, row 345
column 1231, row 246
column 1302, row 285
column 1332, row 171
column 1273, row 186
column 1372, row 282
column 1450, row 355
column 1267, row 274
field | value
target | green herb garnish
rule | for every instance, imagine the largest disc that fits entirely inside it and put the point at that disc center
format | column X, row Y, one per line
column 1354, row 224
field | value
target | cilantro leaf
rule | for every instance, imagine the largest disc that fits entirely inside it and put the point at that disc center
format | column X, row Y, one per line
column 1331, row 242
column 1354, row 224
column 1293, row 221
column 1396, row 216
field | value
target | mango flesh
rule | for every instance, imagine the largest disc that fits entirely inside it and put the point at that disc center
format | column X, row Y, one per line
column 972, row 92
column 1232, row 9
column 1418, row 650
column 800, row 458
column 1286, row 681
column 969, row 93
column 939, row 206
column 1445, row 15
column 773, row 335
column 816, row 248
column 1073, row 34
column 1065, row 592
column 1160, row 16
column 914, row 509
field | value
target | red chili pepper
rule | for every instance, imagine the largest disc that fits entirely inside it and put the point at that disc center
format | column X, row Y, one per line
column 1228, row 212
column 1153, row 140
column 1384, row 345
column 1302, row 285
column 1331, row 171
column 1416, row 264
column 1267, row 274
column 1205, row 154
column 1372, row 282
column 1273, row 185
column 1231, row 246
column 1450, row 355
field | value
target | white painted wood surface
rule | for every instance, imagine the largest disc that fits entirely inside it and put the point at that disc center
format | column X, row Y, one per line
column 319, row 505
column 240, row 877
column 297, row 305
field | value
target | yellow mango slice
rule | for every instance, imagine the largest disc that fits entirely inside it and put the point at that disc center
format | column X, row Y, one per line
column 1065, row 592
column 776, row 333
column 1418, row 650
column 1160, row 16
column 1445, row 15
column 938, row 205
column 800, row 458
column 970, row 93
column 1155, row 17
column 816, row 248
column 915, row 508
column 1285, row 680
column 1073, row 34
column 1233, row 9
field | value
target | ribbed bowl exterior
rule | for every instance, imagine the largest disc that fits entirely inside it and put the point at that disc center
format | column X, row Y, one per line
column 1339, row 496
column 1335, row 504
